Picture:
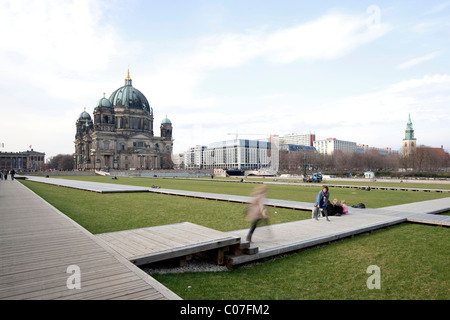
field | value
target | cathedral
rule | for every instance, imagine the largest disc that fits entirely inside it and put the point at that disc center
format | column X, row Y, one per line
column 120, row 134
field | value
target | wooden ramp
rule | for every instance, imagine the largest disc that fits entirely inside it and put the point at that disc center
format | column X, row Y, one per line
column 153, row 244
column 39, row 245
column 287, row 237
column 88, row 185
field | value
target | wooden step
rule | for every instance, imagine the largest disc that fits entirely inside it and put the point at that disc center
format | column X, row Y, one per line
column 243, row 248
column 251, row 250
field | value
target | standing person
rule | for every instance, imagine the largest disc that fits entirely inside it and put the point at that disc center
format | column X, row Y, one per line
column 6, row 174
column 256, row 210
column 321, row 203
column 12, row 172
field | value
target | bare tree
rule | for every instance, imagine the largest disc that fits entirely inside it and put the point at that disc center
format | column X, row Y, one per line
column 62, row 162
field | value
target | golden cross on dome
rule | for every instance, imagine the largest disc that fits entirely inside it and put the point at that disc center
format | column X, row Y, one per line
column 128, row 73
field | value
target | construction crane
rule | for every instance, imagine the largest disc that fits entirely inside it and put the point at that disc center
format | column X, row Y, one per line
column 248, row 134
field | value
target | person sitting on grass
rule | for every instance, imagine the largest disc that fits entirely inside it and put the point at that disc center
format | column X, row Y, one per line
column 344, row 207
column 337, row 208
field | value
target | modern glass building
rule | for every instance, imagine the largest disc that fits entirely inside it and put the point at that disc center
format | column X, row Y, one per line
column 239, row 154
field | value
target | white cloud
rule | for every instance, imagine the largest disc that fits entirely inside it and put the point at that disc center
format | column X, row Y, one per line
column 328, row 37
column 60, row 35
column 51, row 54
column 371, row 118
column 415, row 61
column 377, row 118
column 439, row 8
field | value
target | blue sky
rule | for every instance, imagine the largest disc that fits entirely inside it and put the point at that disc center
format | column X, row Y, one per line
column 352, row 70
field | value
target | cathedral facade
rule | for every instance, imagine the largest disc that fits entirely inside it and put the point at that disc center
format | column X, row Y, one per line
column 120, row 134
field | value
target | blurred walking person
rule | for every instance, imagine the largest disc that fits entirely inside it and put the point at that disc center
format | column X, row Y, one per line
column 256, row 210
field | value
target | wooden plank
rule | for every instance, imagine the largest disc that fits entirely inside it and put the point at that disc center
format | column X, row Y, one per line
column 39, row 243
column 278, row 239
column 166, row 242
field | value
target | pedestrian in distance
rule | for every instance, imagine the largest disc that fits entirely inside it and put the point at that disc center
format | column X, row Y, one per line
column 321, row 203
column 256, row 211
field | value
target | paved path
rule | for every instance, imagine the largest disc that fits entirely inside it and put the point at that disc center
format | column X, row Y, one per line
column 89, row 186
column 39, row 244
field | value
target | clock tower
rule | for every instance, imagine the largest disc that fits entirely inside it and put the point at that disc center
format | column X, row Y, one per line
column 409, row 143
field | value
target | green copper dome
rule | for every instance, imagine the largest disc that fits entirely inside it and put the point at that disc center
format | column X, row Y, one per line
column 84, row 116
column 103, row 102
column 166, row 121
column 129, row 97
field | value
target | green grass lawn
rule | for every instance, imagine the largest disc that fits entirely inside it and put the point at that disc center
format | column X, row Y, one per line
column 413, row 261
column 413, row 258
column 372, row 199
column 101, row 213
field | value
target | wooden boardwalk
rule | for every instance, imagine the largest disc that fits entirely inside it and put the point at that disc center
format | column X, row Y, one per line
column 89, row 186
column 329, row 183
column 148, row 245
column 292, row 236
column 117, row 188
column 39, row 245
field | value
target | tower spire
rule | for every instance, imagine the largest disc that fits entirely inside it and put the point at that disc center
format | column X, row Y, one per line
column 409, row 132
column 128, row 78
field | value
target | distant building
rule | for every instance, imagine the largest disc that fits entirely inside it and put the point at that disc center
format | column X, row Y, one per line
column 328, row 146
column 296, row 147
column 366, row 148
column 120, row 135
column 26, row 160
column 240, row 154
column 298, row 139
column 409, row 143
column 193, row 157
column 178, row 160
